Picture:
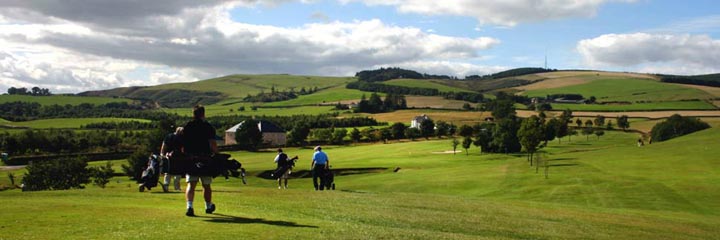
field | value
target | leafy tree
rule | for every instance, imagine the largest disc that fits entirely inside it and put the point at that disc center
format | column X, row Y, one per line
column 505, row 137
column 599, row 121
column 675, row 126
column 579, row 122
column 455, row 143
column 466, row 144
column 136, row 162
column 465, row 131
column 623, row 123
column 599, row 133
column 466, row 107
column 427, row 128
column 385, row 134
column 483, row 136
column 441, row 128
column 248, row 135
column 355, row 135
column 298, row 134
column 101, row 175
column 338, row 136
column 551, row 130
column 398, row 130
column 609, row 125
column 58, row 174
column 530, row 135
column 412, row 133
column 587, row 131
column 322, row 134
column 502, row 109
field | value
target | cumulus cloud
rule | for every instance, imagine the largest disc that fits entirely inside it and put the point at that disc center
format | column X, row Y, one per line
column 450, row 68
column 660, row 53
column 498, row 12
column 182, row 40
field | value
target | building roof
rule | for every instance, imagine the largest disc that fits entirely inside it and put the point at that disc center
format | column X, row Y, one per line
column 421, row 118
column 264, row 126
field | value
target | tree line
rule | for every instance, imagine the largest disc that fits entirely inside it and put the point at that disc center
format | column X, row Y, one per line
column 35, row 91
column 402, row 90
column 25, row 111
column 510, row 73
column 712, row 80
column 276, row 96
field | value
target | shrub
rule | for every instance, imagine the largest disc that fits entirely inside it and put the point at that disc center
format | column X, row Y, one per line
column 58, row 174
column 676, row 126
column 101, row 175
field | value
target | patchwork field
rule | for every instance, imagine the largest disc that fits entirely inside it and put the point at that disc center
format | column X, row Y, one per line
column 419, row 83
column 60, row 100
column 66, row 122
column 605, row 188
column 631, row 90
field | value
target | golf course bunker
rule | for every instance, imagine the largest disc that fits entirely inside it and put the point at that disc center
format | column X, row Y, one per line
column 336, row 171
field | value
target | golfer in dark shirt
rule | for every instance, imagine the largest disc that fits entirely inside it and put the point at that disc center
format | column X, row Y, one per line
column 199, row 141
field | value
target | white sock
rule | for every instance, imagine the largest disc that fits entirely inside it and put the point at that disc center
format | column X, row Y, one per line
column 189, row 204
column 208, row 204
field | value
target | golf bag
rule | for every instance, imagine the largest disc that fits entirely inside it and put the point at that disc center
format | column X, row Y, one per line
column 216, row 165
column 329, row 179
column 284, row 167
column 151, row 173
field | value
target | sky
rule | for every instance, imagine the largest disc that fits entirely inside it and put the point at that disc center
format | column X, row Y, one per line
column 70, row 46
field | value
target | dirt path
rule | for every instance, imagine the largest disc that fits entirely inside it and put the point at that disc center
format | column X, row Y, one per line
column 11, row 168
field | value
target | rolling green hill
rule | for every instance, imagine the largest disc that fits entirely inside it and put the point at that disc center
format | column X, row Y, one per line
column 440, row 85
column 60, row 99
column 222, row 89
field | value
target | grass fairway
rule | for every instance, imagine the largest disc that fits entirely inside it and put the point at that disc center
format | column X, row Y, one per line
column 60, row 100
column 605, row 188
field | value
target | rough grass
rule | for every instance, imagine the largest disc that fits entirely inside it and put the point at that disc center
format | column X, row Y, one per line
column 61, row 100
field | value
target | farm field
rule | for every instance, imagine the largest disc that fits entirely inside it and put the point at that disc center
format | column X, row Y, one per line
column 641, row 114
column 631, row 90
column 419, row 83
column 60, row 100
column 66, row 122
column 458, row 118
column 327, row 96
column 653, row 106
column 220, row 110
column 605, row 188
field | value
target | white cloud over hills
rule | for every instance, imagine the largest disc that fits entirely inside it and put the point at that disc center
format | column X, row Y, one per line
column 653, row 53
column 69, row 49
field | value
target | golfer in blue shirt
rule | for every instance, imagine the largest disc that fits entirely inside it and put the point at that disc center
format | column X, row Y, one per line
column 320, row 164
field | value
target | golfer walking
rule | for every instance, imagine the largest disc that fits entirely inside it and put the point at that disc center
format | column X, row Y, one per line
column 320, row 164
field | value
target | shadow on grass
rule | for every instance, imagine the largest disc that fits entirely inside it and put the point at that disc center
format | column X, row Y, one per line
column 563, row 165
column 562, row 159
column 222, row 218
column 336, row 171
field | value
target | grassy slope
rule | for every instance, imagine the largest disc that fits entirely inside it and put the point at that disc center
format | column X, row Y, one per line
column 418, row 83
column 217, row 110
column 627, row 90
column 62, row 100
column 598, row 189
column 239, row 86
column 331, row 95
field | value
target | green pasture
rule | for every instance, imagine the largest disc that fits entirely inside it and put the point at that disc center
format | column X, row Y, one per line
column 67, row 122
column 239, row 86
column 606, row 188
column 232, row 109
column 327, row 96
column 421, row 83
column 630, row 89
column 60, row 100
column 652, row 106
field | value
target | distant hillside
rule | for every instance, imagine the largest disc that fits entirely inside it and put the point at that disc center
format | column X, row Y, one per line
column 214, row 90
column 712, row 80
column 510, row 73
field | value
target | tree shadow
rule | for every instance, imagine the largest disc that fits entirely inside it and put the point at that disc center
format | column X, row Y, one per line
column 222, row 218
column 562, row 159
column 563, row 165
